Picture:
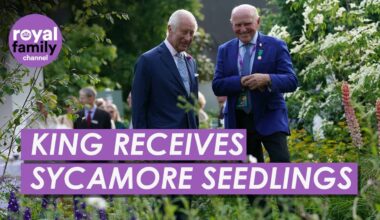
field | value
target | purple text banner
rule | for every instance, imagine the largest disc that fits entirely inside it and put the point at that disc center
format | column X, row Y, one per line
column 157, row 144
column 190, row 178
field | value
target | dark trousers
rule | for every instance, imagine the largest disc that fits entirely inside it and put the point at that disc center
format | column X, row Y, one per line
column 275, row 144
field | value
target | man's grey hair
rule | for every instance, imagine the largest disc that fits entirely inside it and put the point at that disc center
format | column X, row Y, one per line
column 252, row 8
column 89, row 91
column 175, row 18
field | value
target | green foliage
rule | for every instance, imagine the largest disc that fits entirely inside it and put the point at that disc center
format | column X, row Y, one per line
column 336, row 42
column 304, row 148
column 332, row 41
column 99, row 48
column 199, row 48
column 224, row 207
column 12, row 81
column 12, row 10
column 145, row 29
column 84, row 54
column 184, row 104
column 87, row 53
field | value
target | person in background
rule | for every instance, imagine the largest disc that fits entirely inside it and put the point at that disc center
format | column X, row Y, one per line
column 101, row 103
column 66, row 119
column 42, row 119
column 203, row 117
column 115, row 116
column 91, row 117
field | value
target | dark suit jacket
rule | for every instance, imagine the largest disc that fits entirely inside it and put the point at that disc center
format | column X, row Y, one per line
column 101, row 120
column 156, row 87
column 269, row 108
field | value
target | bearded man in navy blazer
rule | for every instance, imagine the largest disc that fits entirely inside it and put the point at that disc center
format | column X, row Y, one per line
column 253, row 71
column 165, row 73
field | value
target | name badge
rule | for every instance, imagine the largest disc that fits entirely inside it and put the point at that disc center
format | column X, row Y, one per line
column 242, row 101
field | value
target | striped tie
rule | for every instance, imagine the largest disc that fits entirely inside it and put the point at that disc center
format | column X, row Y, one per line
column 181, row 65
column 247, row 60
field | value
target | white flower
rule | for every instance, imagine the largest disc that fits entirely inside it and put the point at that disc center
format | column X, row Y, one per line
column 317, row 130
column 332, row 40
column 289, row 1
column 367, row 30
column 327, row 5
column 314, row 217
column 339, row 28
column 97, row 202
column 279, row 32
column 301, row 44
column 296, row 49
column 252, row 159
column 306, row 14
column 318, row 19
column 365, row 77
column 367, row 3
column 310, row 156
column 340, row 11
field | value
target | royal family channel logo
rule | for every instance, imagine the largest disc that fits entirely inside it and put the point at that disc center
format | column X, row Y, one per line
column 35, row 40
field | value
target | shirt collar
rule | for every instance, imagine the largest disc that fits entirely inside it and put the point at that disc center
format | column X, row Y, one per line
column 92, row 109
column 173, row 52
column 253, row 41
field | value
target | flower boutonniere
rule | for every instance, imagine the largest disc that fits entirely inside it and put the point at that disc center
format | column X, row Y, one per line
column 260, row 52
column 188, row 57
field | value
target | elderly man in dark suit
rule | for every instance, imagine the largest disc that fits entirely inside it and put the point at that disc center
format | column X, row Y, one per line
column 164, row 73
column 254, row 70
column 91, row 117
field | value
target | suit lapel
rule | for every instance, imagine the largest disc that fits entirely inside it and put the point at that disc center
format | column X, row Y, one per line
column 82, row 119
column 167, row 59
column 235, row 53
column 96, row 115
column 191, row 72
column 260, row 43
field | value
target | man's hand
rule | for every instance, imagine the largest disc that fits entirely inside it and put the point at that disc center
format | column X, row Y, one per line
column 256, row 81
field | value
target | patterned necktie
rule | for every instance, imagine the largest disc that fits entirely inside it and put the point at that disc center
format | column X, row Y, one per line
column 246, row 70
column 181, row 65
column 88, row 119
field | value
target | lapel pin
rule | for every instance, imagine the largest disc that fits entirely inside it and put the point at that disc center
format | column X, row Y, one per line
column 259, row 54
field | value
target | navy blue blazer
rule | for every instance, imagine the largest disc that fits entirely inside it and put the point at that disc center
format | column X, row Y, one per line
column 157, row 84
column 269, row 108
column 101, row 120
